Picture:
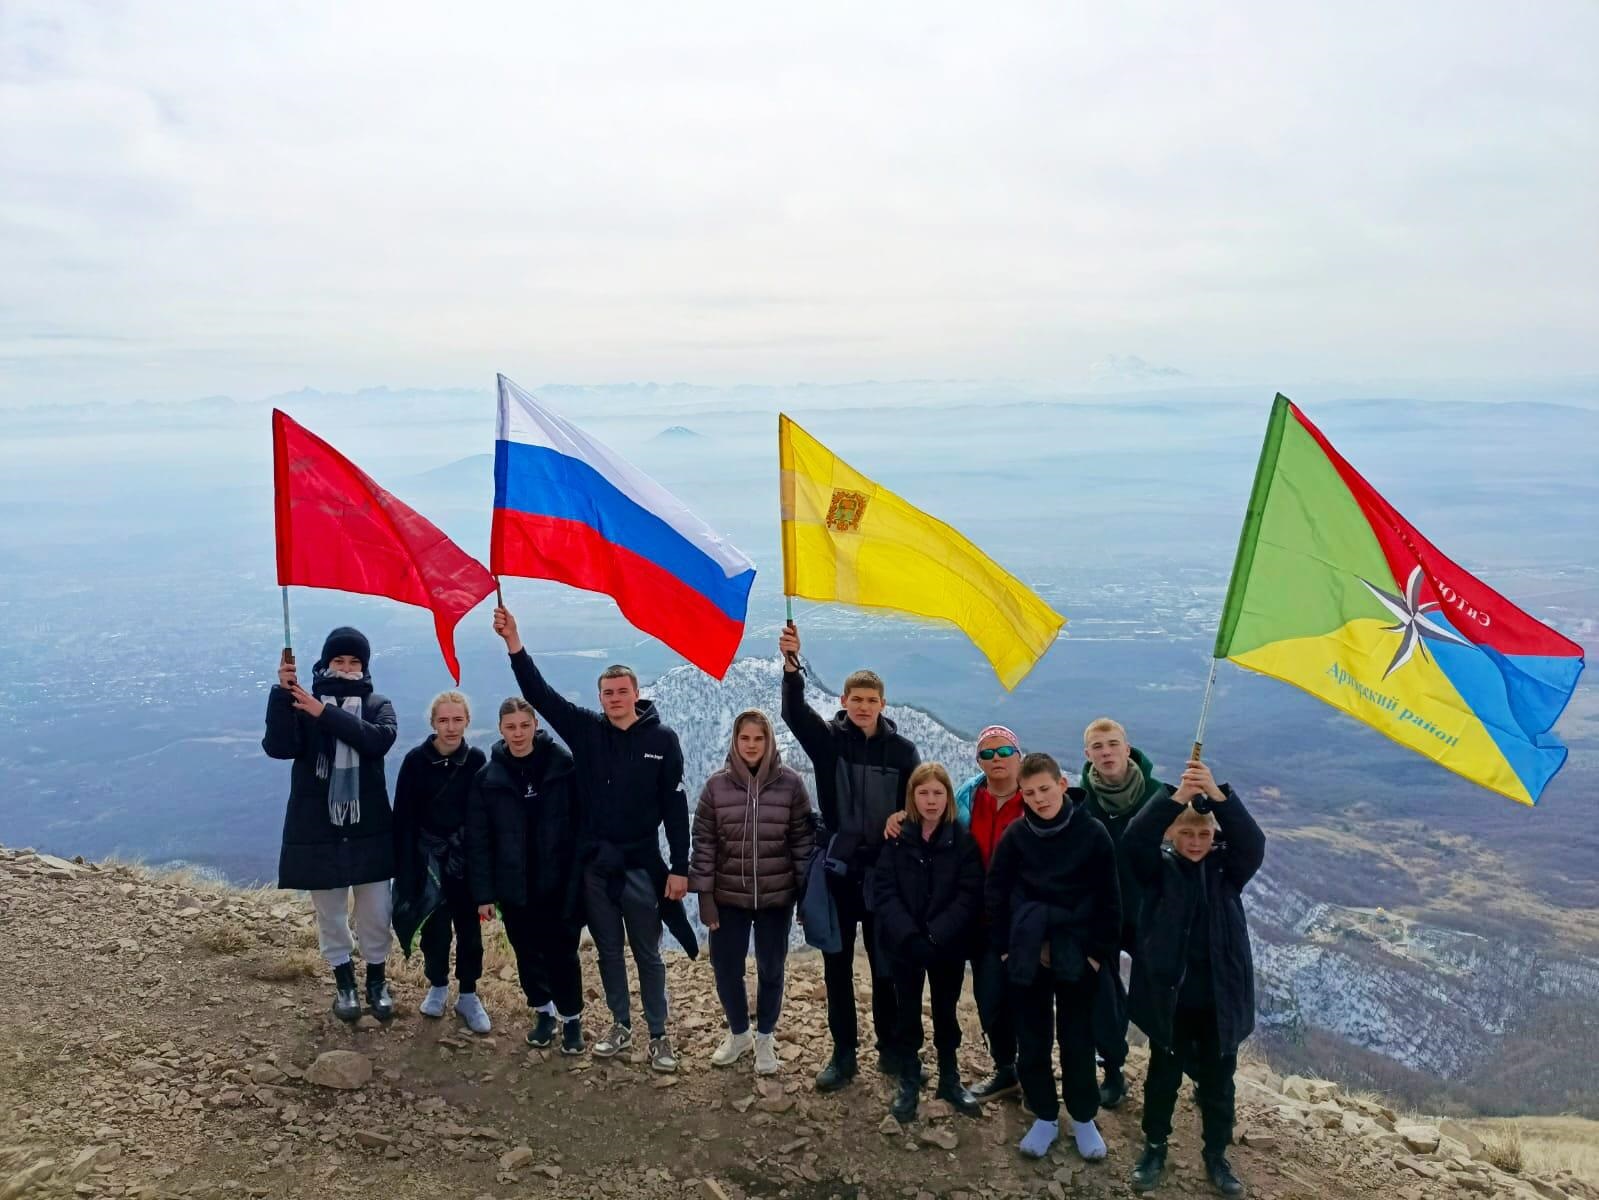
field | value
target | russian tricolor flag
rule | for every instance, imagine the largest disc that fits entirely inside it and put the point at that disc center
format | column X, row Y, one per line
column 567, row 508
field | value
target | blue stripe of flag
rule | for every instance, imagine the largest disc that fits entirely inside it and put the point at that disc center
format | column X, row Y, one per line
column 544, row 482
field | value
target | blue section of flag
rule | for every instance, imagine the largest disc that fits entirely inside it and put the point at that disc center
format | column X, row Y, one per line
column 543, row 482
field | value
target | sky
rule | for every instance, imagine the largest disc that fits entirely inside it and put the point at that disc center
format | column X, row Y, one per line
column 242, row 198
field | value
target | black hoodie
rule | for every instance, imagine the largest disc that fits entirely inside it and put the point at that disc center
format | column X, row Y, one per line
column 629, row 781
column 860, row 780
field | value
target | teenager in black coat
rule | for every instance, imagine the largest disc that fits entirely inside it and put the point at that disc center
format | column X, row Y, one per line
column 430, row 884
column 1194, row 851
column 521, row 854
column 927, row 894
column 862, row 765
column 1054, row 910
column 338, row 836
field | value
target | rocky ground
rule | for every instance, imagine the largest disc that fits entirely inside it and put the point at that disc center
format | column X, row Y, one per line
column 163, row 1037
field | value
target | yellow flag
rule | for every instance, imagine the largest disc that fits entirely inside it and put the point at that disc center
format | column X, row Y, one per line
column 847, row 539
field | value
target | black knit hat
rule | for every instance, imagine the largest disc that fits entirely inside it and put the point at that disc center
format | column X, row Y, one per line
column 345, row 640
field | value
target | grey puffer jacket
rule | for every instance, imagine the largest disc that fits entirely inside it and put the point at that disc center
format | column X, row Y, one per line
column 753, row 833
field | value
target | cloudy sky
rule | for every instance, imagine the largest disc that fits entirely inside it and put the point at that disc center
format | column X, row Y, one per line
column 201, row 198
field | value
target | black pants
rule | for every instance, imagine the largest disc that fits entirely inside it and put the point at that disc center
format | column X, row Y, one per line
column 838, row 972
column 991, row 989
column 1196, row 1053
column 730, row 946
column 944, row 977
column 460, row 914
column 545, row 946
column 1110, row 1017
column 1046, row 1010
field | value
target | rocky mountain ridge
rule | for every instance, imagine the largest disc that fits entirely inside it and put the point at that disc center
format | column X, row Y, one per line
column 167, row 1038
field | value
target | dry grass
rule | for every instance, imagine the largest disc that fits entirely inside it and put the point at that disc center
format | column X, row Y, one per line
column 227, row 937
column 283, row 968
column 1546, row 1144
column 1505, row 1148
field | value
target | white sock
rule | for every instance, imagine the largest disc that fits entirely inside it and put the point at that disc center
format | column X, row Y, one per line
column 547, row 1008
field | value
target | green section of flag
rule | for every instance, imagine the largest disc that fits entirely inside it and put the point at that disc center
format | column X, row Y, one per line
column 1305, row 547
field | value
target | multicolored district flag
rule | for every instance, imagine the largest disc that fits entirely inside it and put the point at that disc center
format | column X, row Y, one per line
column 568, row 508
column 849, row 540
column 1336, row 593
column 338, row 529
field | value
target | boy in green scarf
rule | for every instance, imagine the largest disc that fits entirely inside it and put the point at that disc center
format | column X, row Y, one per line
column 1118, row 780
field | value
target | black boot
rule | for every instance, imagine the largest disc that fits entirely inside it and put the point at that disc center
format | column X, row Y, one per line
column 1114, row 1090
column 1220, row 1173
column 838, row 1072
column 1001, row 1083
column 346, row 1004
column 896, row 1063
column 1150, row 1167
column 905, row 1098
column 950, row 1088
column 378, row 997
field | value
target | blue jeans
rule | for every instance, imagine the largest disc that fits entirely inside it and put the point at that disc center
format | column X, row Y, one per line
column 730, row 944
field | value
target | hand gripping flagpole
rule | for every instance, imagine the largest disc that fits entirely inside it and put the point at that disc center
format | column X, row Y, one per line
column 1204, row 710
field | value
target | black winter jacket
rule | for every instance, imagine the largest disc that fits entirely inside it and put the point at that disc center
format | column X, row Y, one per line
column 859, row 780
column 431, row 793
column 522, row 849
column 629, row 781
column 927, row 894
column 1173, row 888
column 316, row 854
column 1068, row 867
column 1116, row 825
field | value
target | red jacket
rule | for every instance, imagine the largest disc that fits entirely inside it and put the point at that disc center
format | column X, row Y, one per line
column 987, row 823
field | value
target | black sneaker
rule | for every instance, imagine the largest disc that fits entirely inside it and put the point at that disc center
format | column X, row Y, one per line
column 1150, row 1167
column 838, row 1072
column 1220, row 1173
column 378, row 997
column 1114, row 1090
column 572, row 1042
column 543, row 1031
column 346, row 1001
column 1001, row 1083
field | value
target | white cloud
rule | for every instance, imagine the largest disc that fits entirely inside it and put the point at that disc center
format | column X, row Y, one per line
column 207, row 198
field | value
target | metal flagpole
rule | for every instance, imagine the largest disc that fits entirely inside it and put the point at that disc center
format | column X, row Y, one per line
column 288, row 640
column 1204, row 710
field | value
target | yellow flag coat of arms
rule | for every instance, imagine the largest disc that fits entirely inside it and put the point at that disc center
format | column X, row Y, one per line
column 848, row 540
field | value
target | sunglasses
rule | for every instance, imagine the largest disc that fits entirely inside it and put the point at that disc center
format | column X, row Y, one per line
column 997, row 752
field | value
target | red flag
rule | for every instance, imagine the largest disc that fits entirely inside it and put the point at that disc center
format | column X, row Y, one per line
column 338, row 529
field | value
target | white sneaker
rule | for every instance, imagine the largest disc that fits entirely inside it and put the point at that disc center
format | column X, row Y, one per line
column 766, row 1054
column 470, row 1009
column 1089, row 1144
column 734, row 1047
column 433, row 1003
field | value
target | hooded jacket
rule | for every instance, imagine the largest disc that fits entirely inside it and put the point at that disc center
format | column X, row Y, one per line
column 753, row 832
column 1177, row 894
column 317, row 854
column 1063, row 873
column 521, row 847
column 430, row 794
column 927, row 894
column 629, row 781
column 860, row 780
column 1116, row 825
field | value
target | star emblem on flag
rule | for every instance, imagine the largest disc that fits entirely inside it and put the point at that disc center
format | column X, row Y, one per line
column 1414, row 626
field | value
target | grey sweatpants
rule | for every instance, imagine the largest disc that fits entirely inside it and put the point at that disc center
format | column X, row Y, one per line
column 638, row 915
column 371, row 922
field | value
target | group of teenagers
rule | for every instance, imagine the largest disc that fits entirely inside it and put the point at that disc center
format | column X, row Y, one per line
column 1041, row 887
